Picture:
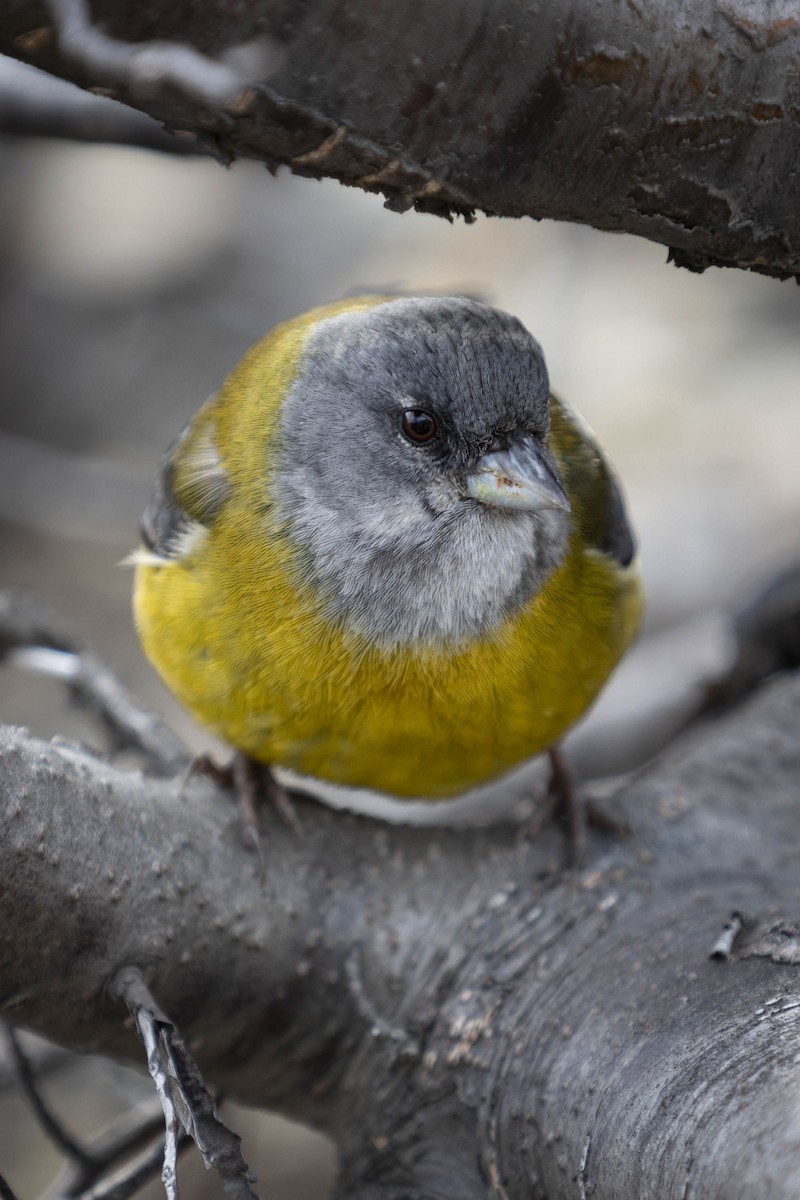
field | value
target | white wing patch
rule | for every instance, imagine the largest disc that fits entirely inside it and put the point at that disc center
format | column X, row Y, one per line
column 189, row 540
column 204, row 480
column 175, row 525
column 183, row 545
column 142, row 557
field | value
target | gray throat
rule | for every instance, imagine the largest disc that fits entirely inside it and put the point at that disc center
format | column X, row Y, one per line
column 383, row 530
column 401, row 574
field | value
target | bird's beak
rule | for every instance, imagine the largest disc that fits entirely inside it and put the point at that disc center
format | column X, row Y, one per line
column 523, row 477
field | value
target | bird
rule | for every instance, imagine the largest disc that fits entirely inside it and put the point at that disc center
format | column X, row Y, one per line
column 384, row 555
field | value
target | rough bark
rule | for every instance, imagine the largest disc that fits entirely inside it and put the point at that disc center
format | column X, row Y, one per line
column 673, row 119
column 460, row 1017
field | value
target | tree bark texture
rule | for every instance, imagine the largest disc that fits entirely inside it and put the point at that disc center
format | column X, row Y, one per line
column 677, row 120
column 464, row 1017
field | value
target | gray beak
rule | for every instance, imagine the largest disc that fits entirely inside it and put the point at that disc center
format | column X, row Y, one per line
column 523, row 477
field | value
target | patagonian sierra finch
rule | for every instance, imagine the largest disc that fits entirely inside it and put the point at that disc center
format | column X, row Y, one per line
column 384, row 555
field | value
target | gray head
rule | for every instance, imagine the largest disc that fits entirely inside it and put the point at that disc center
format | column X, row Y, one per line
column 414, row 477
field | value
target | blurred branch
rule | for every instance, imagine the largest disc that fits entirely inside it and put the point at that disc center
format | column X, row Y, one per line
column 661, row 120
column 66, row 494
column 47, row 1060
column 767, row 634
column 33, row 104
column 5, row 1191
column 130, row 1180
column 142, row 67
column 95, row 1174
column 34, row 637
column 51, row 1124
column 90, row 1164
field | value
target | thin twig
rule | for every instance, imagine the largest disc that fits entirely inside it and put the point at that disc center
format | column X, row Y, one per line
column 129, row 1133
column 35, row 638
column 90, row 1164
column 148, row 1030
column 119, row 1141
column 723, row 946
column 767, row 632
column 97, row 688
column 49, row 1122
column 46, row 1060
column 181, row 1089
column 128, row 1182
column 5, row 1191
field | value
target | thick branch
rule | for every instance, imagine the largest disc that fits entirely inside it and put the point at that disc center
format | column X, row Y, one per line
column 672, row 120
column 444, row 1002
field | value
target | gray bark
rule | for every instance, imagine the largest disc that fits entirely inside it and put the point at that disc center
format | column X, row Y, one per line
column 460, row 1017
column 676, row 120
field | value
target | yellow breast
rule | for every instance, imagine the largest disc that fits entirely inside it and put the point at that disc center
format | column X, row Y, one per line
column 236, row 631
column 240, row 639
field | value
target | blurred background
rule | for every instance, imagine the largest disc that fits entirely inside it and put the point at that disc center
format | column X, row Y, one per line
column 131, row 283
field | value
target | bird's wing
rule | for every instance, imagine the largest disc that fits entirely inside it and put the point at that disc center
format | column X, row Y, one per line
column 190, row 490
column 597, row 503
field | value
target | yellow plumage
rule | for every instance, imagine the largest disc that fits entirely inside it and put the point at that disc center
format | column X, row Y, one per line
column 235, row 627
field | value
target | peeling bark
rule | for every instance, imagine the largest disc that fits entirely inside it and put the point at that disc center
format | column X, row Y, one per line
column 445, row 1003
column 677, row 120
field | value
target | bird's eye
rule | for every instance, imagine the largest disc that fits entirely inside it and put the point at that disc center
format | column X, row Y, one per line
column 419, row 426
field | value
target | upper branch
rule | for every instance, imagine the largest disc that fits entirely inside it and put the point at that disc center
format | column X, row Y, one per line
column 676, row 120
column 33, row 104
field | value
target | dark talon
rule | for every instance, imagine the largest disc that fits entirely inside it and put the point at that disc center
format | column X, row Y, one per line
column 568, row 806
column 254, row 784
column 204, row 765
column 247, row 781
column 603, row 822
column 277, row 795
column 562, row 802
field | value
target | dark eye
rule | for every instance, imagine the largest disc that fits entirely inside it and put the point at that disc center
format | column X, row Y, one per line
column 419, row 426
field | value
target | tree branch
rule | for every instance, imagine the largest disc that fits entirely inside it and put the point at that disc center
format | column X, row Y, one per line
column 143, row 67
column 671, row 120
column 5, row 1191
column 442, row 1001
column 33, row 104
column 89, row 1164
column 38, row 639
column 185, row 1100
column 51, row 1125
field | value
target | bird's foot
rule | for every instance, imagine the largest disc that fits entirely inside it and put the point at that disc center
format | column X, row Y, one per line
column 563, row 803
column 254, row 784
column 567, row 805
column 206, row 767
